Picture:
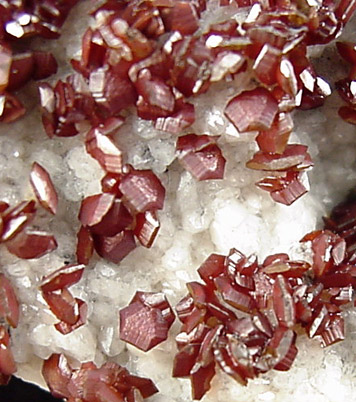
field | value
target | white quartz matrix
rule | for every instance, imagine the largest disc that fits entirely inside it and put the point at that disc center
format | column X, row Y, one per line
column 198, row 218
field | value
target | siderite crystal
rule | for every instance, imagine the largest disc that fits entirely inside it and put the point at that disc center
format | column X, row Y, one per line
column 115, row 248
column 201, row 156
column 146, row 228
column 70, row 311
column 9, row 306
column 65, row 276
column 146, row 320
column 253, row 329
column 31, row 244
column 142, row 190
column 252, row 110
column 102, row 148
column 110, row 382
column 44, row 188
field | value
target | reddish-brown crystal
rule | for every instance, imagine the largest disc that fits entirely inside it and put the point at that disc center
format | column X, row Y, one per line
column 94, row 208
column 329, row 250
column 144, row 325
column 283, row 303
column 348, row 114
column 182, row 117
column 57, row 372
column 63, row 305
column 65, row 276
column 146, row 228
column 115, row 248
column 9, row 306
column 66, row 328
column 287, row 188
column 201, row 156
column 85, row 246
column 110, row 382
column 252, row 110
column 294, row 158
column 275, row 139
column 143, row 190
column 347, row 51
column 43, row 187
column 22, row 68
column 102, row 148
column 114, row 221
column 31, row 244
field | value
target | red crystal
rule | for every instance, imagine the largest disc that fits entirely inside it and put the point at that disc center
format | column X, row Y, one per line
column 211, row 268
column 94, row 208
column 182, row 117
column 333, row 332
column 143, row 190
column 5, row 66
column 65, row 328
column 9, row 306
column 347, row 51
column 252, row 110
column 184, row 360
column 85, row 246
column 329, row 250
column 102, row 148
column 114, row 221
column 43, row 187
column 348, row 114
column 200, row 378
column 115, row 248
column 155, row 93
column 234, row 297
column 294, row 158
column 65, row 276
column 11, row 108
column 201, row 156
column 267, row 63
column 110, row 382
column 44, row 65
column 287, row 188
column 181, row 17
column 146, row 228
column 275, row 139
column 283, row 303
column 283, row 343
column 22, row 68
column 31, row 244
column 144, row 325
column 63, row 305
column 57, row 372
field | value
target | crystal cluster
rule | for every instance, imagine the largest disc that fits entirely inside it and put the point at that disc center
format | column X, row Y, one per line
column 20, row 20
column 144, row 54
column 244, row 317
column 110, row 382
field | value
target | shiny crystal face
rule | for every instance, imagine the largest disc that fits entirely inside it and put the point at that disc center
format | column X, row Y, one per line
column 163, row 124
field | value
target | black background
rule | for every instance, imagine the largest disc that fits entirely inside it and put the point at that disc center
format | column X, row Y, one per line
column 20, row 391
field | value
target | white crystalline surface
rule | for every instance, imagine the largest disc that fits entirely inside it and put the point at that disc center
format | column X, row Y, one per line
column 198, row 218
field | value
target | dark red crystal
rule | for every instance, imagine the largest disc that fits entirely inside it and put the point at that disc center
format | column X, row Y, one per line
column 252, row 110
column 31, row 244
column 144, row 324
column 142, row 190
column 201, row 156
